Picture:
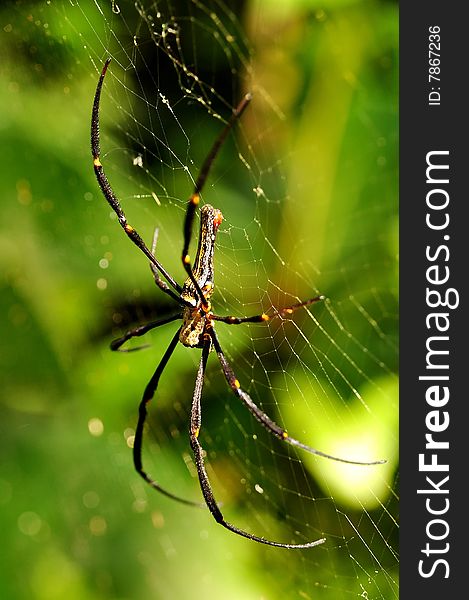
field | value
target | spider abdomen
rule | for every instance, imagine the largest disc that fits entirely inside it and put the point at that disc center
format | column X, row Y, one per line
column 194, row 317
column 202, row 270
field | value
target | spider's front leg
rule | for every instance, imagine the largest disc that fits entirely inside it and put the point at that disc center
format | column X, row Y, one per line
column 142, row 416
column 264, row 419
column 195, row 425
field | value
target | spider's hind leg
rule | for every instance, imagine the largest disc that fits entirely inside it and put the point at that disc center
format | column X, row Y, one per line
column 194, row 198
column 112, row 199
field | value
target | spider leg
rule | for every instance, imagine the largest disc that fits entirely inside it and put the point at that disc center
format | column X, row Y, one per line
column 141, row 330
column 142, row 415
column 279, row 312
column 199, row 184
column 154, row 270
column 112, row 198
column 196, row 421
column 264, row 419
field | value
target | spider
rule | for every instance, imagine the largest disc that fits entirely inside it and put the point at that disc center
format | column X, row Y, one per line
column 198, row 321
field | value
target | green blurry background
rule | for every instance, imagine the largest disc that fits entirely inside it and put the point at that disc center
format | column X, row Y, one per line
column 321, row 142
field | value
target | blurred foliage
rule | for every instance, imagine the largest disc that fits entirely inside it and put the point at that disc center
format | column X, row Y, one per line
column 77, row 522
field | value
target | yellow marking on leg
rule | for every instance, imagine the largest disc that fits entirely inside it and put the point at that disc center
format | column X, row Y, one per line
column 207, row 308
column 97, row 162
column 196, row 432
column 129, row 228
column 265, row 317
column 187, row 259
column 195, row 199
column 289, row 311
column 236, row 384
column 284, row 435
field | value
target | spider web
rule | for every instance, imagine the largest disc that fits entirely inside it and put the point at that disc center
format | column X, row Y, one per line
column 307, row 186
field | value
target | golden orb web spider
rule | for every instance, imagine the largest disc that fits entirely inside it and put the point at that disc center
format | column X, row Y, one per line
column 197, row 329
